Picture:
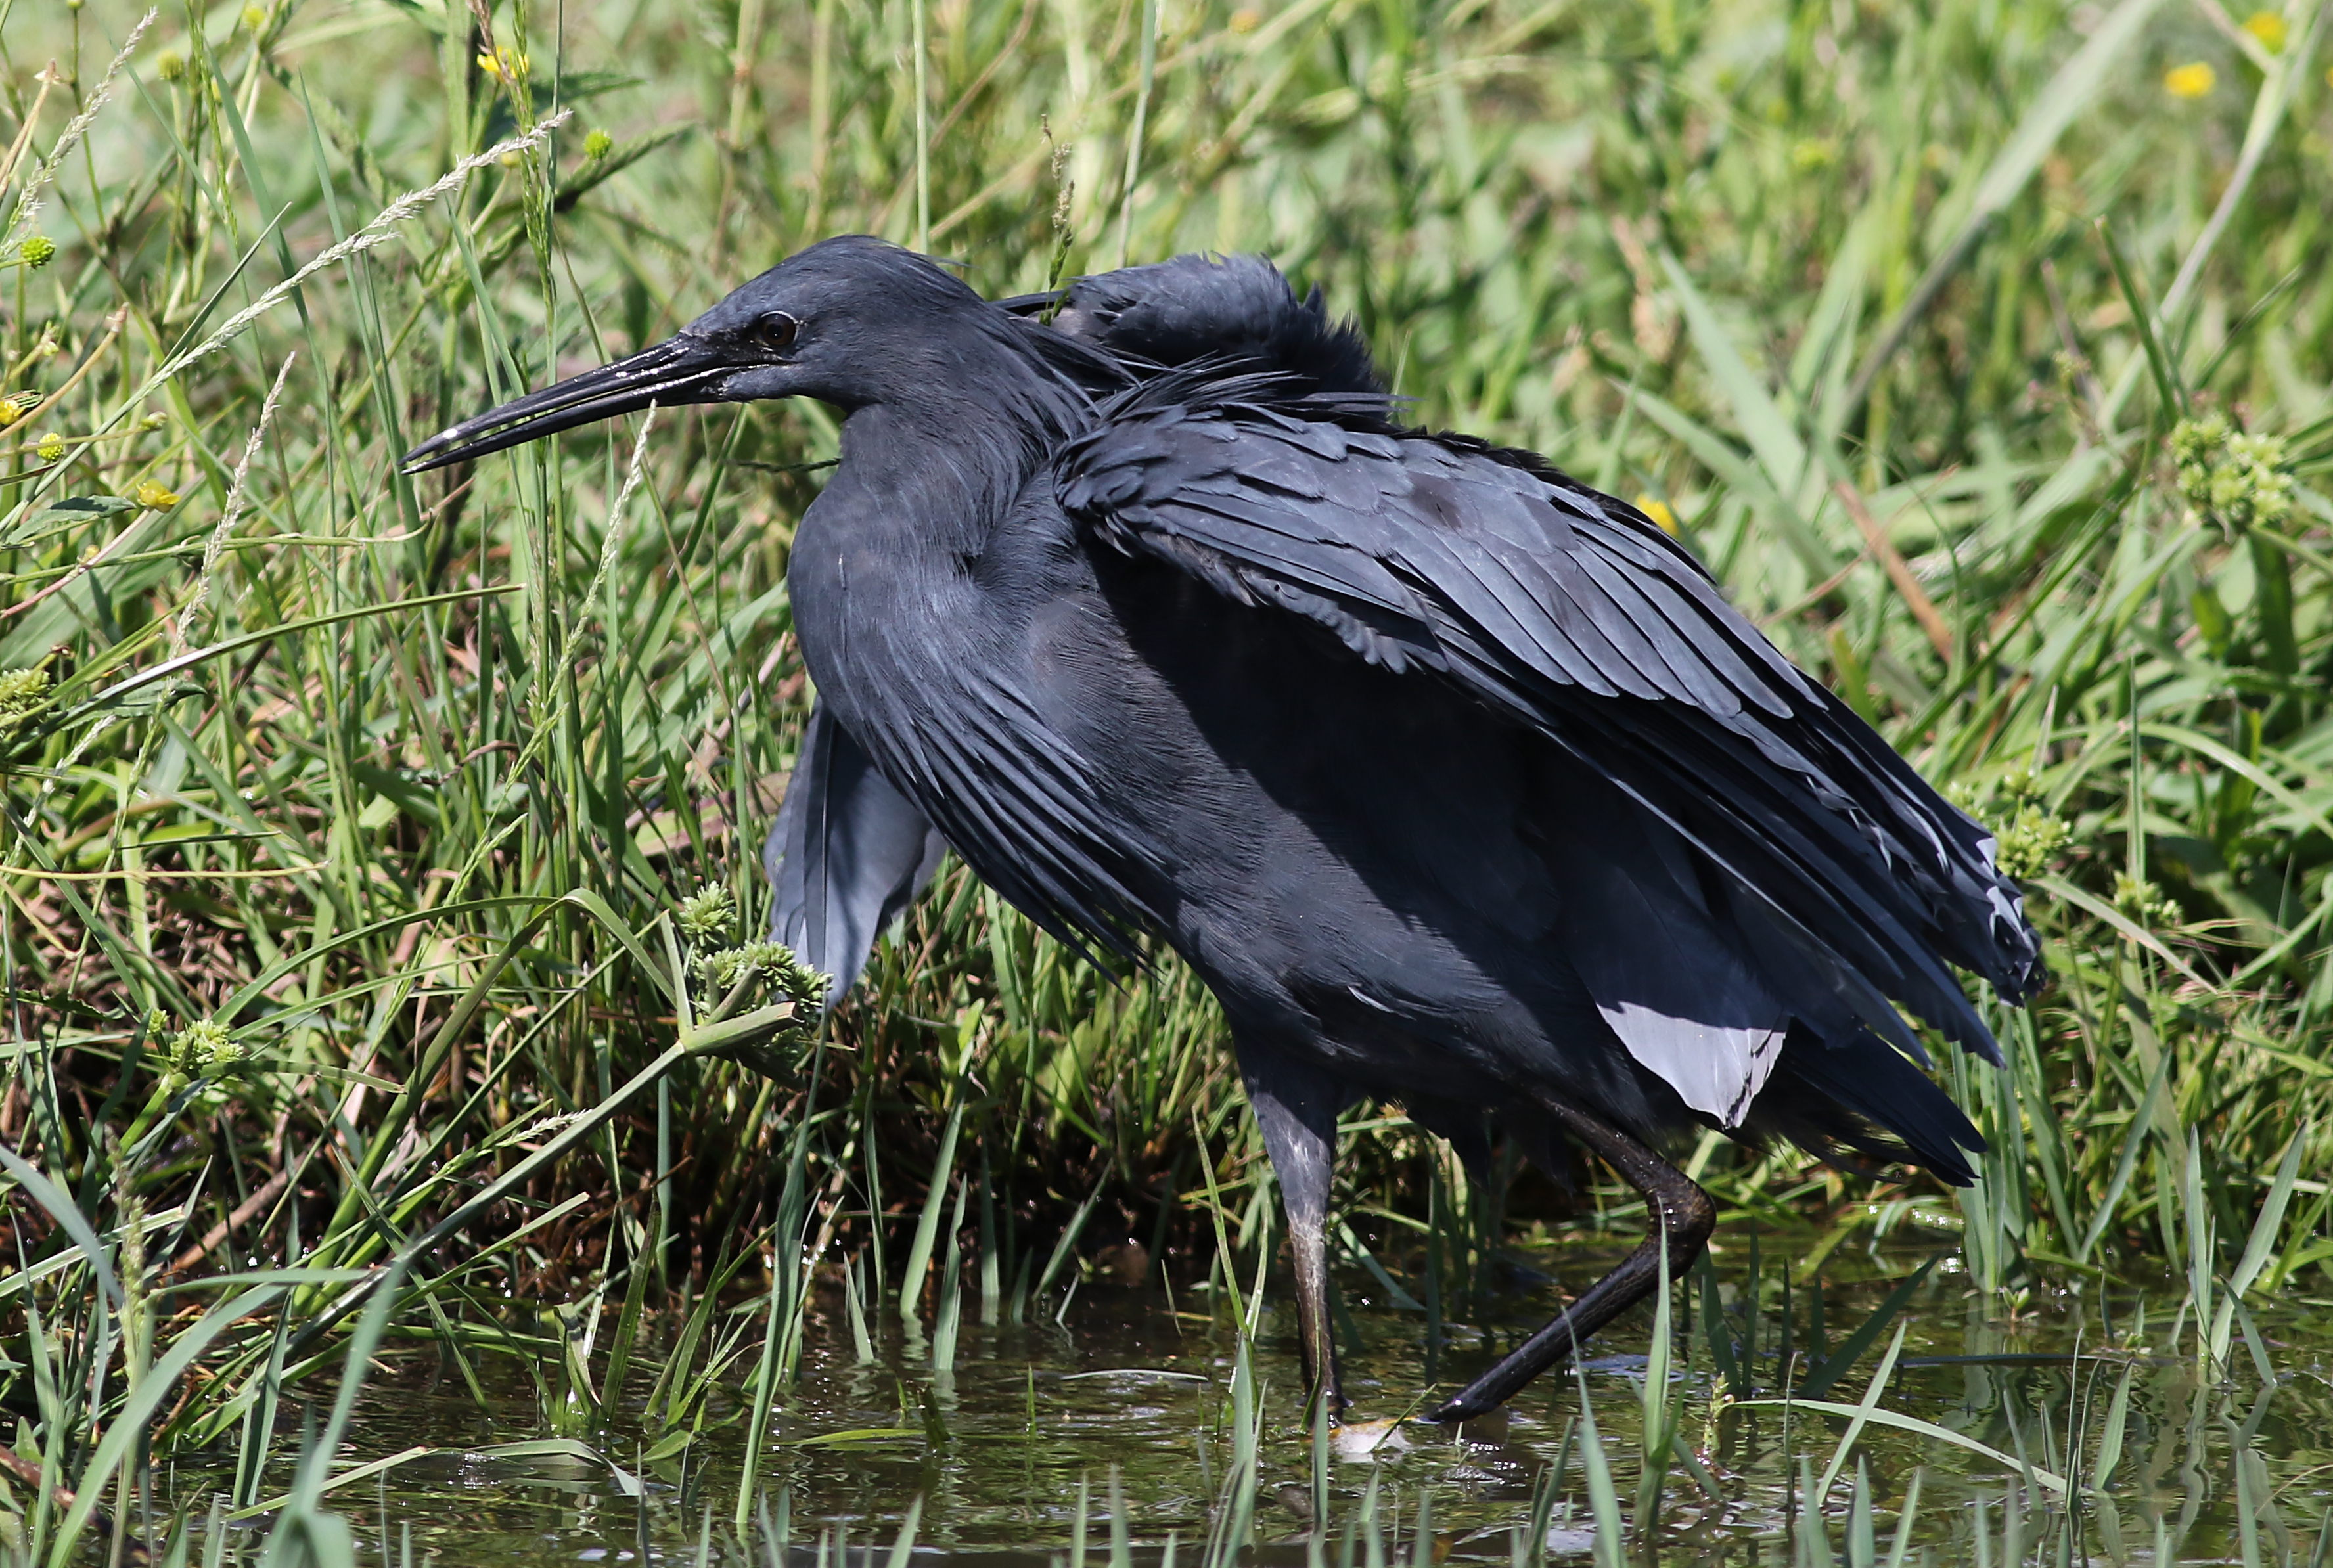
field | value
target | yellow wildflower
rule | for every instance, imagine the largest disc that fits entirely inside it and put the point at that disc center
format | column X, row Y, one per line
column 2269, row 28
column 598, row 145
column 15, row 408
column 1659, row 510
column 254, row 17
column 38, row 251
column 51, row 448
column 503, row 63
column 2192, row 79
column 153, row 497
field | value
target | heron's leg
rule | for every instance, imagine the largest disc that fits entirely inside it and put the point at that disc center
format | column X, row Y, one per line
column 1684, row 1217
column 1296, row 1107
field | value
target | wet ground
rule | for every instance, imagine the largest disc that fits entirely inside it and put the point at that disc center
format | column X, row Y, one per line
column 1128, row 1382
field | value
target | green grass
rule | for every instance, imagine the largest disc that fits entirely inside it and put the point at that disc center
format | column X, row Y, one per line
column 348, row 817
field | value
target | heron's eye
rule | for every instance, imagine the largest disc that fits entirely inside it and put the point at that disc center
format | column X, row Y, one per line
column 774, row 331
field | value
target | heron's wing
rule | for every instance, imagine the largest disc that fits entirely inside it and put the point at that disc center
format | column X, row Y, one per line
column 847, row 855
column 1570, row 613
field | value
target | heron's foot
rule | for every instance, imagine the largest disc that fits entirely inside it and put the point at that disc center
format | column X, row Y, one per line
column 1487, row 1424
column 1367, row 1440
column 1469, row 1423
column 1461, row 1408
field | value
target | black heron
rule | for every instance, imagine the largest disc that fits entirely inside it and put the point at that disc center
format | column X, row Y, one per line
column 1459, row 783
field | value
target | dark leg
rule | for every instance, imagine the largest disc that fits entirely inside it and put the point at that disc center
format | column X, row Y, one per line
column 1683, row 1216
column 1296, row 1106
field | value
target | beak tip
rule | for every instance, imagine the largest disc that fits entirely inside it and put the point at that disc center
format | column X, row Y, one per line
column 430, row 453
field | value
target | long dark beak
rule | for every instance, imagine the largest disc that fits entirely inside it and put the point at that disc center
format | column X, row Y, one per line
column 683, row 370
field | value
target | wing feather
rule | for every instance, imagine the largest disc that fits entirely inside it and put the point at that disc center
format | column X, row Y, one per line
column 1570, row 614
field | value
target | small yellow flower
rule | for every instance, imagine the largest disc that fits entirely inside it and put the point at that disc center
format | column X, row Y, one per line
column 2192, row 79
column 503, row 63
column 170, row 65
column 598, row 145
column 52, row 449
column 153, row 497
column 38, row 251
column 15, row 408
column 1659, row 510
column 2269, row 28
column 254, row 17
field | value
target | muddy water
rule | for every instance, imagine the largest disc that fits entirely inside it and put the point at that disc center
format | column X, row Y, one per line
column 996, row 1452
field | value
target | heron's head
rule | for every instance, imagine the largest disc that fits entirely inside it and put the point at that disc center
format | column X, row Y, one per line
column 850, row 321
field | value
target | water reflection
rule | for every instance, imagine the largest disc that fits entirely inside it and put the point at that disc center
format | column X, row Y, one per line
column 2094, row 1387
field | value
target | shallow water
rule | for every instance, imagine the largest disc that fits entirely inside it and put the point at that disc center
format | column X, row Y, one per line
column 996, row 1452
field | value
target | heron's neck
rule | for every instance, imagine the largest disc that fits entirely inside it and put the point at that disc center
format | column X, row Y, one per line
column 914, row 483
column 890, row 574
column 885, row 574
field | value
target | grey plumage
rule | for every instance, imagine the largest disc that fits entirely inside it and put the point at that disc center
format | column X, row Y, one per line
column 847, row 855
column 1460, row 784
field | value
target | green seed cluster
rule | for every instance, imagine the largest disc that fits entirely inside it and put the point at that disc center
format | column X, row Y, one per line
column 2231, row 475
column 708, row 919
column 203, row 1052
column 21, row 693
column 708, row 915
column 773, row 963
column 2030, row 842
column 2144, row 902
